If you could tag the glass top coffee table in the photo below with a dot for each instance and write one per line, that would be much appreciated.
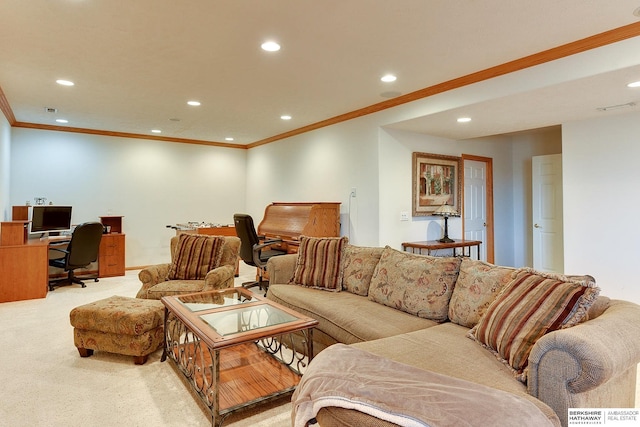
(236, 349)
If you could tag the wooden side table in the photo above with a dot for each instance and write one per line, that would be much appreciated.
(434, 245)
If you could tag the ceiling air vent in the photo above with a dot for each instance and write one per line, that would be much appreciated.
(617, 107)
(50, 110)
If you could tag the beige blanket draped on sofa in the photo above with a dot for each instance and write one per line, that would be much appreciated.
(351, 378)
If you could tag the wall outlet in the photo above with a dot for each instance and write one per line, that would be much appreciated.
(404, 216)
(353, 191)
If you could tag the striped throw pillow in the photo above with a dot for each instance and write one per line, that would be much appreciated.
(530, 306)
(319, 263)
(195, 255)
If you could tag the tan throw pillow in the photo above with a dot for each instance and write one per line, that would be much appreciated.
(359, 264)
(477, 286)
(195, 255)
(416, 284)
(319, 262)
(532, 305)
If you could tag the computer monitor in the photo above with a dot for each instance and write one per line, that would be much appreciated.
(50, 219)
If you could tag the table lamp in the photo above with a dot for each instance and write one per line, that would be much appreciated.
(446, 211)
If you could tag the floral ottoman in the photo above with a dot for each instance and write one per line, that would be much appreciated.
(122, 325)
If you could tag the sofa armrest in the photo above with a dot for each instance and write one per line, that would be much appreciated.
(600, 348)
(280, 268)
(583, 358)
(151, 276)
(219, 278)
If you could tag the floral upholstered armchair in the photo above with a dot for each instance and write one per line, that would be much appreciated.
(198, 263)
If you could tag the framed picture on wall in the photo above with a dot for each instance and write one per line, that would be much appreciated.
(436, 180)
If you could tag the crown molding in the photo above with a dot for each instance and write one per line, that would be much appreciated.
(126, 135)
(559, 52)
(6, 108)
(572, 48)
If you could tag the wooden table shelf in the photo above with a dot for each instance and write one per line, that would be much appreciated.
(434, 245)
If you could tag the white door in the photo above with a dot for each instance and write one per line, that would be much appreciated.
(475, 204)
(548, 242)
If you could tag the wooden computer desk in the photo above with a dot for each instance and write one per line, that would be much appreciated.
(24, 270)
(24, 262)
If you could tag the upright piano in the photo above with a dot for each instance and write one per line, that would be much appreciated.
(290, 220)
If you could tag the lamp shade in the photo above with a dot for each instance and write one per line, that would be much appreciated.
(446, 210)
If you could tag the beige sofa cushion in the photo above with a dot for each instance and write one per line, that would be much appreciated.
(195, 256)
(463, 359)
(175, 287)
(319, 262)
(416, 284)
(359, 265)
(531, 305)
(477, 286)
(345, 317)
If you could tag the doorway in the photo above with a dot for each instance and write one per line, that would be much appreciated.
(548, 240)
(477, 207)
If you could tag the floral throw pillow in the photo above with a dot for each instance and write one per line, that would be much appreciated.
(477, 286)
(359, 264)
(416, 284)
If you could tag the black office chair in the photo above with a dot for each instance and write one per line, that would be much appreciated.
(81, 251)
(251, 249)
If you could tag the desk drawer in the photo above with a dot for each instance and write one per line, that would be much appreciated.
(112, 255)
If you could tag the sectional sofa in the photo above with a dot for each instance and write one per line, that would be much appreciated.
(547, 339)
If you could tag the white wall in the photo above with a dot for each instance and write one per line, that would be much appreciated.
(601, 175)
(396, 148)
(322, 165)
(5, 158)
(151, 183)
(511, 183)
(156, 183)
(325, 164)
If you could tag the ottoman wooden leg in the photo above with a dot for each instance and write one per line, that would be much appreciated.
(85, 352)
(139, 360)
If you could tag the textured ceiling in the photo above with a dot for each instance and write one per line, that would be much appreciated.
(137, 63)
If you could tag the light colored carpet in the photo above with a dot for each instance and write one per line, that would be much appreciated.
(46, 383)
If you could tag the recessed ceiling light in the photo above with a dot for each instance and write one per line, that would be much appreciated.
(228, 138)
(270, 46)
(193, 103)
(634, 84)
(388, 78)
(637, 12)
(156, 131)
(62, 120)
(65, 82)
(464, 119)
(285, 117)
